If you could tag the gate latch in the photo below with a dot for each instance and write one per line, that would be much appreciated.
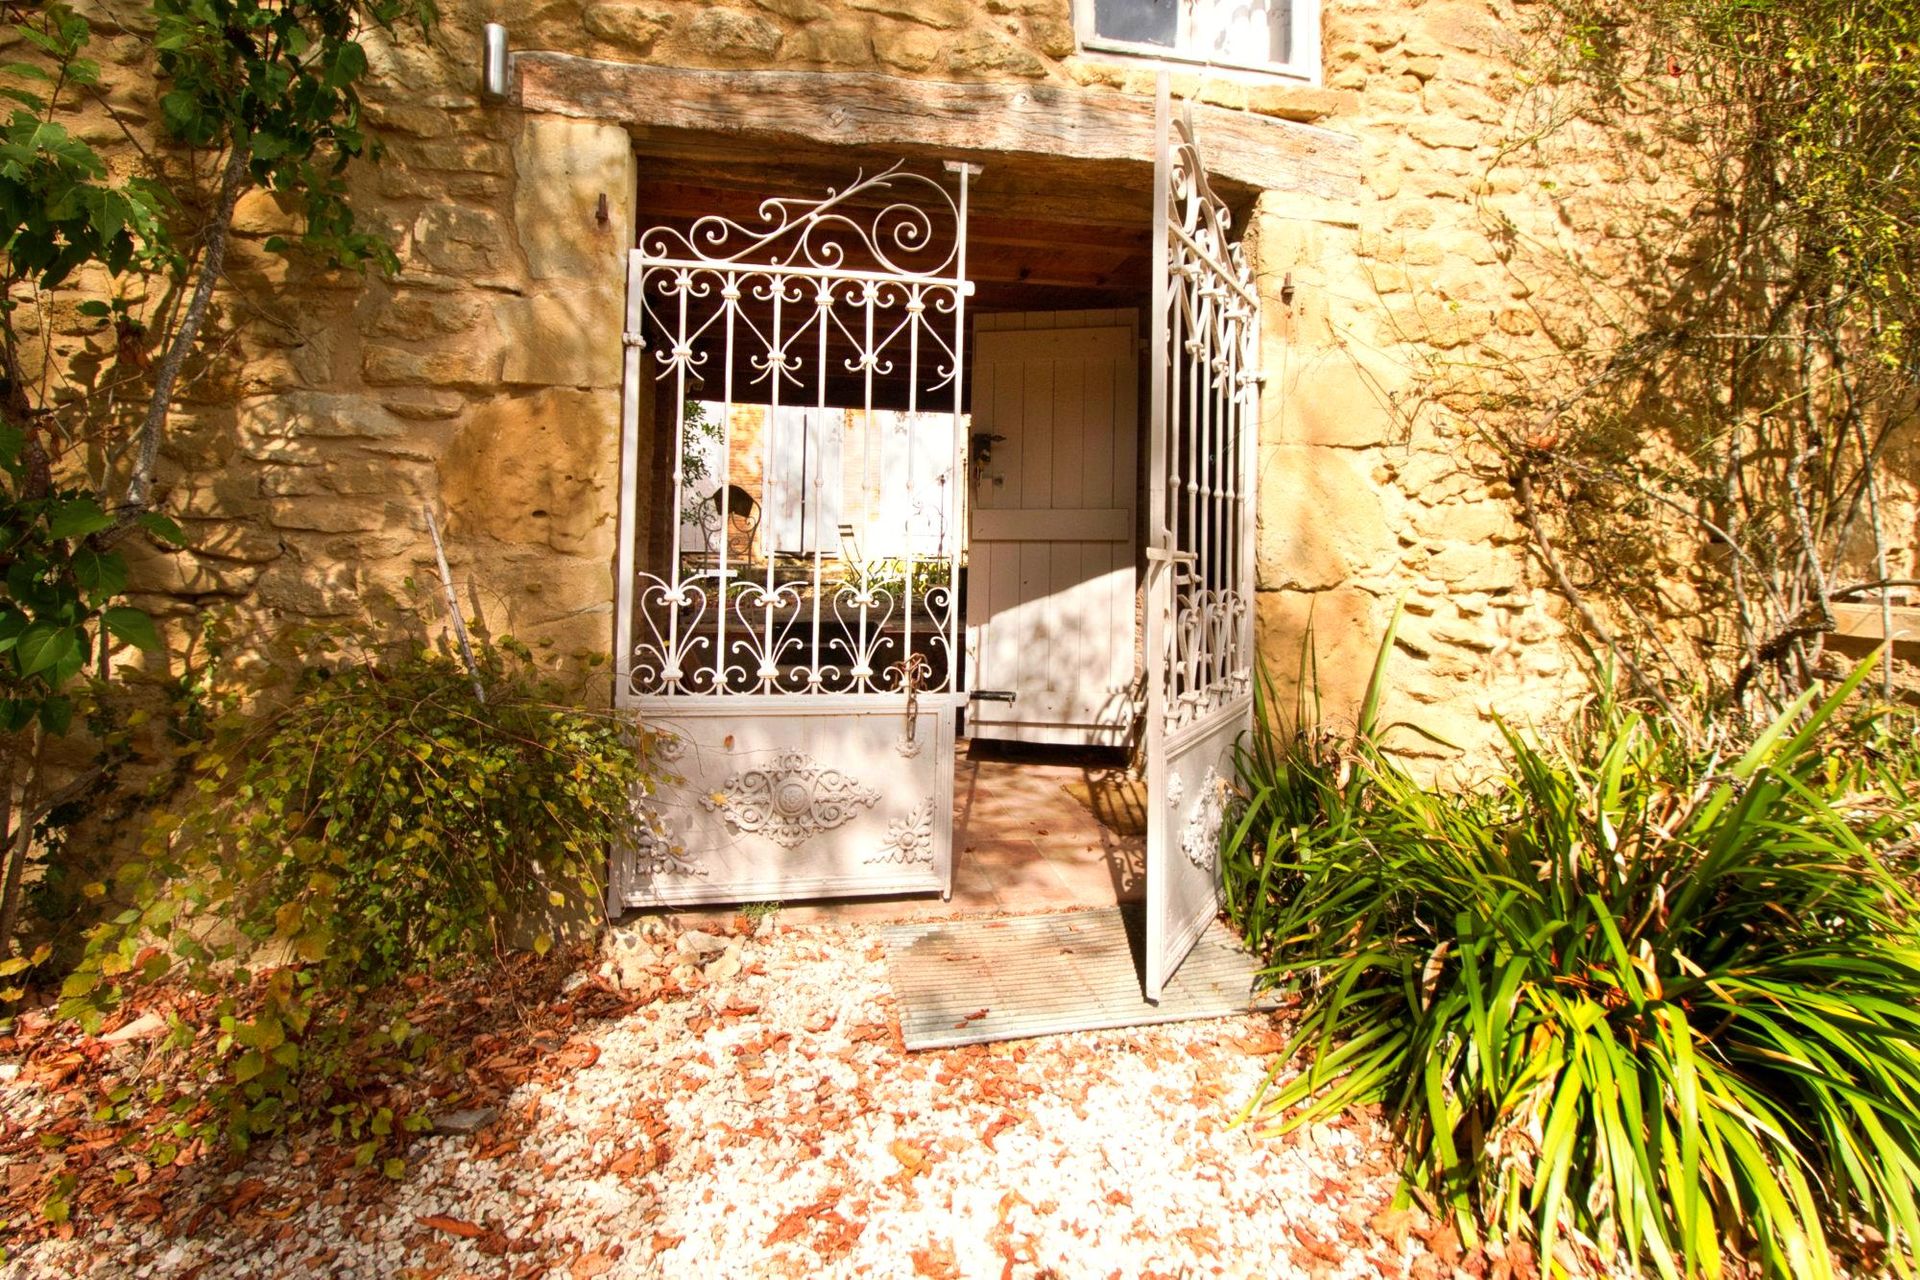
(992, 695)
(913, 673)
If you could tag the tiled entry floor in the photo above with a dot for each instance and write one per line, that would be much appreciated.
(1025, 838)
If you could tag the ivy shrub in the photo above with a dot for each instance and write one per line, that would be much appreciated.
(1656, 999)
(380, 823)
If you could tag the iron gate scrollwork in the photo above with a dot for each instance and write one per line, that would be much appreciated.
(1213, 332)
(789, 611)
(839, 290)
(1205, 404)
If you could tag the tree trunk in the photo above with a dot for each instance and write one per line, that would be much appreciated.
(234, 180)
(10, 836)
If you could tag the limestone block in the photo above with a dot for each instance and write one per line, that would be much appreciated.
(1321, 518)
(474, 366)
(1053, 36)
(795, 10)
(325, 513)
(539, 468)
(1442, 27)
(1447, 132)
(1342, 397)
(730, 35)
(460, 155)
(909, 50)
(235, 541)
(1475, 523)
(439, 73)
(1470, 566)
(831, 46)
(262, 213)
(1299, 101)
(460, 240)
(396, 183)
(944, 15)
(562, 605)
(632, 27)
(1422, 68)
(1344, 627)
(422, 313)
(301, 426)
(415, 122)
(985, 52)
(422, 405)
(321, 589)
(122, 15)
(174, 572)
(564, 167)
(569, 338)
(335, 475)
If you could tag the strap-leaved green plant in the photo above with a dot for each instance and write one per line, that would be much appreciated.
(1639, 999)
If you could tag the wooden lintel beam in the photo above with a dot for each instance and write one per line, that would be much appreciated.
(965, 121)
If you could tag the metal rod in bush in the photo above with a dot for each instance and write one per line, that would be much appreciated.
(453, 605)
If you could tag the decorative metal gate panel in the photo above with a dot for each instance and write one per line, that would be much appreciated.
(787, 615)
(1203, 430)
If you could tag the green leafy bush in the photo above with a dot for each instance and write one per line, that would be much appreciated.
(1636, 994)
(380, 822)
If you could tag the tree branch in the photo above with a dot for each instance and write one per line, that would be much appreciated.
(234, 180)
(1523, 489)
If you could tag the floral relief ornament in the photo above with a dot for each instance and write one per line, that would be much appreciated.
(1200, 841)
(790, 800)
(909, 839)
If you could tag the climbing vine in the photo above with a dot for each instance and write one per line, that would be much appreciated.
(252, 95)
(1709, 454)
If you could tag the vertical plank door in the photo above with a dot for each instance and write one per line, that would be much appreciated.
(1051, 577)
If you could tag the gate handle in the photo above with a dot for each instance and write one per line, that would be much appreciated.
(991, 695)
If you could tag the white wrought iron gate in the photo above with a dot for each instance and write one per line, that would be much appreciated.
(1203, 428)
(788, 622)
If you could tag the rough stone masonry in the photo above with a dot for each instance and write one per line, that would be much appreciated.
(485, 376)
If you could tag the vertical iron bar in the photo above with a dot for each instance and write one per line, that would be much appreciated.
(632, 360)
(823, 306)
(776, 364)
(671, 658)
(863, 659)
(956, 484)
(729, 301)
(915, 301)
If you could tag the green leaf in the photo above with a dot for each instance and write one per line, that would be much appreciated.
(45, 646)
(104, 573)
(132, 626)
(56, 715)
(78, 517)
(163, 529)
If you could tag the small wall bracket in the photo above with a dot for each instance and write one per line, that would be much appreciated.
(495, 69)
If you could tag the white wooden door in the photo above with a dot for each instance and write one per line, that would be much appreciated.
(1050, 576)
(1203, 420)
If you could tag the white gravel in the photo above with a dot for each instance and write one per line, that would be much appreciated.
(769, 1126)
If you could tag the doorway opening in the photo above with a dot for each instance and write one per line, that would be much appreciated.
(1030, 538)
(899, 533)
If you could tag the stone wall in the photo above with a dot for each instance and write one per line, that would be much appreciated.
(485, 376)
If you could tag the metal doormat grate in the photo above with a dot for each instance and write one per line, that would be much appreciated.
(973, 981)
